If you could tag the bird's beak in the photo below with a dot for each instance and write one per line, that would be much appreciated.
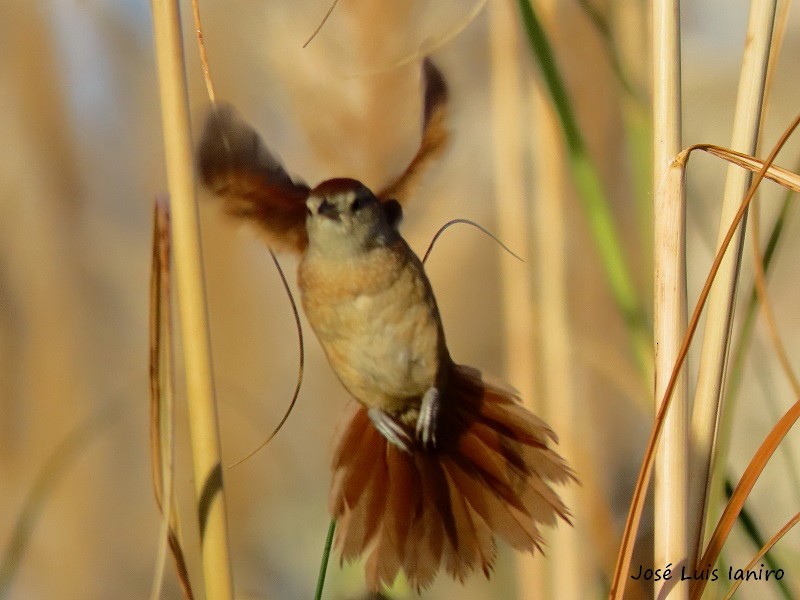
(320, 206)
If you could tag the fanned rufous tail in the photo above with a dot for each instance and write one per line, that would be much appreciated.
(489, 476)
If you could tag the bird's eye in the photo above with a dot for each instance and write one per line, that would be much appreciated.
(359, 203)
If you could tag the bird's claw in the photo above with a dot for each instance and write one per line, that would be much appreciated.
(389, 428)
(428, 418)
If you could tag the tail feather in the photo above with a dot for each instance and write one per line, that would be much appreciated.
(403, 492)
(490, 508)
(354, 462)
(490, 476)
(368, 512)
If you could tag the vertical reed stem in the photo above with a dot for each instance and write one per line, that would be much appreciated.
(669, 311)
(192, 300)
(568, 556)
(721, 301)
(508, 114)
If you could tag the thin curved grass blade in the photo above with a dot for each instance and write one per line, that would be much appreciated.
(743, 489)
(766, 548)
(643, 481)
(775, 173)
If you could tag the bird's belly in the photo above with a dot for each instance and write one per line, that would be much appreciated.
(383, 346)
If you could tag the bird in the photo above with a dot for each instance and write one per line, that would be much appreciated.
(434, 460)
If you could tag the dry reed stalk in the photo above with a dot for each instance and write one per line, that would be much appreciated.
(508, 114)
(669, 310)
(203, 421)
(742, 491)
(643, 481)
(714, 352)
(567, 556)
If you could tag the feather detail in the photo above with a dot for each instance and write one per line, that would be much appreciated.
(434, 136)
(490, 476)
(234, 163)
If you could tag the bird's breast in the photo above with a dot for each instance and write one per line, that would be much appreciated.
(376, 318)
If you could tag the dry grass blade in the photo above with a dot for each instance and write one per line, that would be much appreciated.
(201, 48)
(745, 485)
(477, 226)
(300, 368)
(766, 308)
(159, 286)
(321, 23)
(642, 483)
(766, 548)
(428, 47)
(161, 405)
(721, 302)
(775, 173)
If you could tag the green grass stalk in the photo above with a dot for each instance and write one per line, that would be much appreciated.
(721, 301)
(593, 198)
(326, 555)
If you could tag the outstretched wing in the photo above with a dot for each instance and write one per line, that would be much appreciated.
(235, 164)
(434, 135)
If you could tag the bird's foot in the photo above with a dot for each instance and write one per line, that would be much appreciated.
(428, 418)
(391, 429)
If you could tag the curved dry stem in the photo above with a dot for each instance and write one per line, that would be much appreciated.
(784, 177)
(300, 367)
(444, 227)
(642, 483)
(321, 23)
(425, 49)
(766, 548)
(743, 489)
(766, 308)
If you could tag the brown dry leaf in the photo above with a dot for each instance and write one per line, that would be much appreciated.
(160, 409)
(775, 173)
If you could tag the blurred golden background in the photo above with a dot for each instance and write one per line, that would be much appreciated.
(82, 160)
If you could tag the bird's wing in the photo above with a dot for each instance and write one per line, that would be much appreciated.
(234, 162)
(434, 135)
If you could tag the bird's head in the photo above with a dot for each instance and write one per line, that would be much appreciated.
(345, 217)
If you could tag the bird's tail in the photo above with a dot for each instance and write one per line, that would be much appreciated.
(490, 475)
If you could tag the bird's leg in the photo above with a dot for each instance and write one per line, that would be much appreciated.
(428, 418)
(390, 428)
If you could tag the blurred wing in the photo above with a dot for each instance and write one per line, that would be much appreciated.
(434, 135)
(235, 164)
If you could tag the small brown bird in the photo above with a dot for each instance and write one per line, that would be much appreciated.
(433, 461)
